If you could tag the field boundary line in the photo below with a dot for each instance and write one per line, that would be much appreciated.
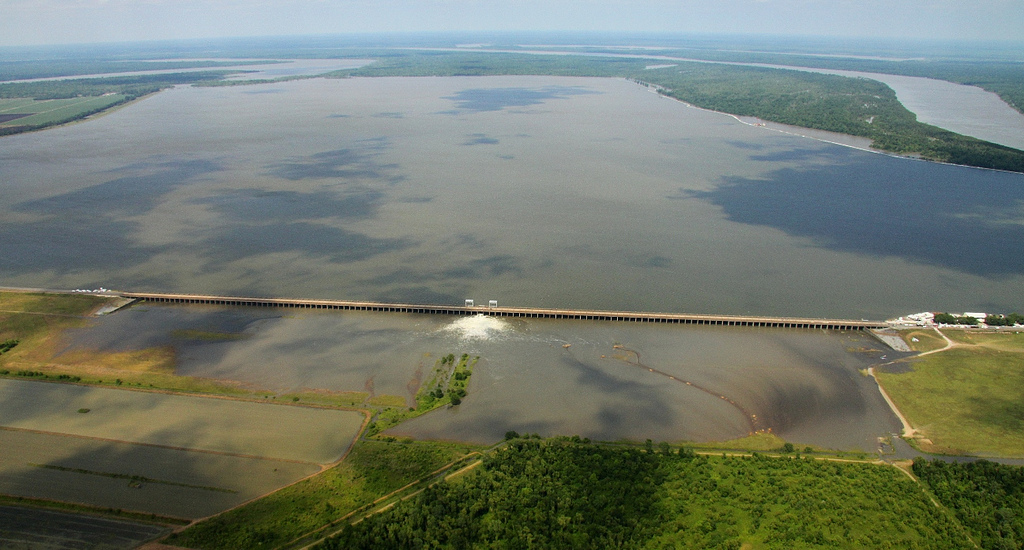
(159, 446)
(164, 391)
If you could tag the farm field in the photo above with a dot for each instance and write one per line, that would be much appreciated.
(46, 529)
(51, 111)
(965, 399)
(285, 432)
(168, 482)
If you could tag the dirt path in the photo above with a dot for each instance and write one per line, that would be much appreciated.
(908, 430)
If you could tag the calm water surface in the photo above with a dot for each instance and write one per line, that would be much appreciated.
(535, 191)
(606, 381)
(967, 110)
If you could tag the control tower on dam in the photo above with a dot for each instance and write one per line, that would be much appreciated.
(524, 312)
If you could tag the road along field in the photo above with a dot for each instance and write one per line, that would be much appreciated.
(262, 430)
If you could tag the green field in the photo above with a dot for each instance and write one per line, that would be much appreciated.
(123, 476)
(966, 399)
(372, 470)
(54, 111)
(556, 494)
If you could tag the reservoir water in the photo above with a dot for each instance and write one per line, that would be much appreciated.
(534, 191)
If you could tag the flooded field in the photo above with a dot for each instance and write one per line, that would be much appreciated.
(197, 423)
(602, 380)
(31, 528)
(171, 482)
(535, 191)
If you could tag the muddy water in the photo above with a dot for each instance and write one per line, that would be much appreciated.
(605, 381)
(536, 191)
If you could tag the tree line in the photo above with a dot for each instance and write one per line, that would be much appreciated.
(566, 493)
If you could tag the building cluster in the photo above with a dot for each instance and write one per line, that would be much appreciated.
(967, 318)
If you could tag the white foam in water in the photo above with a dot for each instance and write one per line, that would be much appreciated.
(478, 327)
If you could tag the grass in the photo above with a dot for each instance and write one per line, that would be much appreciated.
(969, 399)
(927, 339)
(372, 470)
(760, 441)
(207, 335)
(54, 304)
(54, 111)
(36, 322)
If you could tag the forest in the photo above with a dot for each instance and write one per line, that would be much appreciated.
(566, 493)
(987, 498)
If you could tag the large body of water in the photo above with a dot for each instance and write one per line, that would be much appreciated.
(967, 110)
(535, 191)
(607, 381)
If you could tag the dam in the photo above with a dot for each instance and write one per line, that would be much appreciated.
(504, 311)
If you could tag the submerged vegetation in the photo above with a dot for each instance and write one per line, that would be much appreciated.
(446, 386)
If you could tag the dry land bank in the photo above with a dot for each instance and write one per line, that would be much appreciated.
(965, 399)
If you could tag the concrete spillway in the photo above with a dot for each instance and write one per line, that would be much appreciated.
(534, 313)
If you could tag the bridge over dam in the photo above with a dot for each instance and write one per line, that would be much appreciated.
(524, 312)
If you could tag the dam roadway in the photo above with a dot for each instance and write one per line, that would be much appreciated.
(523, 312)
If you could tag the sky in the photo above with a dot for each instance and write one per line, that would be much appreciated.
(25, 22)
